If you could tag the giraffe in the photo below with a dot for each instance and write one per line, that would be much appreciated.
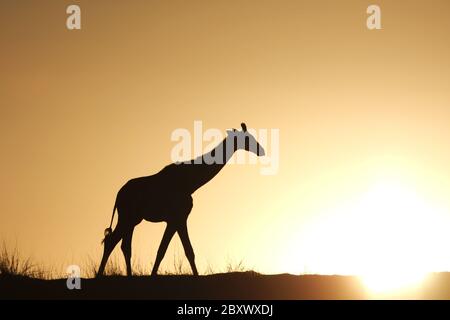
(167, 197)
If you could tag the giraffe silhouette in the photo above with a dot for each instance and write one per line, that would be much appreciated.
(167, 196)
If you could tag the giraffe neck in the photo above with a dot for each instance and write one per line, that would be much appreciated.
(208, 165)
(218, 156)
(193, 174)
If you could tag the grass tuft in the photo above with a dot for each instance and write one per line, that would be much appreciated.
(12, 264)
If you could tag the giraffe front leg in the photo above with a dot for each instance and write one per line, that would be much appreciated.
(168, 234)
(188, 250)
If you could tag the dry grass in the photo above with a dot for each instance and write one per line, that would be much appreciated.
(114, 267)
(13, 264)
(232, 266)
(178, 266)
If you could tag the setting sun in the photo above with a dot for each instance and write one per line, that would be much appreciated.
(389, 236)
(395, 236)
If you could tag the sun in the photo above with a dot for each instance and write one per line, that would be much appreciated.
(388, 235)
(395, 221)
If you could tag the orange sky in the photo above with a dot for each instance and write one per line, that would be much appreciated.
(84, 111)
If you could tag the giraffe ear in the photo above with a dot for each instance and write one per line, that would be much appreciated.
(231, 132)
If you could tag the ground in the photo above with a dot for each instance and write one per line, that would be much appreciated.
(237, 285)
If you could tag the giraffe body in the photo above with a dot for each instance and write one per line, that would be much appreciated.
(167, 197)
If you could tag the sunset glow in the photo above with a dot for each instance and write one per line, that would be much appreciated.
(355, 124)
(396, 236)
(389, 236)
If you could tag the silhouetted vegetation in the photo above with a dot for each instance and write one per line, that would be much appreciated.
(12, 264)
(22, 278)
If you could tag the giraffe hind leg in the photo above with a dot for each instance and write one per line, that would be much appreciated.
(110, 243)
(126, 249)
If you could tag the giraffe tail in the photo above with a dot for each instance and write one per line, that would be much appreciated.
(108, 231)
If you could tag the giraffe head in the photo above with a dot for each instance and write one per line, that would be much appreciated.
(244, 140)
